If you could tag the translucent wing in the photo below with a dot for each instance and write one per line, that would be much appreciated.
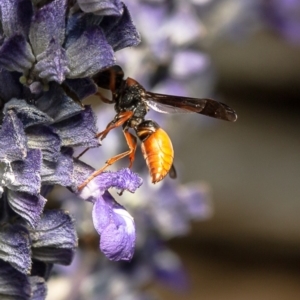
(176, 104)
(166, 109)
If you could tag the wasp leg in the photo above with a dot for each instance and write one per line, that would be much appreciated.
(132, 144)
(119, 120)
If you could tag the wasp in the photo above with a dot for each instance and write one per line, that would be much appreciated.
(132, 102)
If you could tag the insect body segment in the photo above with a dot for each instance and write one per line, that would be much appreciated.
(132, 102)
(157, 149)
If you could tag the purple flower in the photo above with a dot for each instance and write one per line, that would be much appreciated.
(284, 16)
(168, 208)
(116, 228)
(48, 53)
(102, 7)
(15, 285)
(123, 179)
(111, 220)
(40, 43)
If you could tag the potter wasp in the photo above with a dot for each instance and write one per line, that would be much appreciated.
(132, 102)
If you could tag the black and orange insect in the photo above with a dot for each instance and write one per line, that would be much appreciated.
(132, 102)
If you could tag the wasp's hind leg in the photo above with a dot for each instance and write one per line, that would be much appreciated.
(118, 121)
(132, 144)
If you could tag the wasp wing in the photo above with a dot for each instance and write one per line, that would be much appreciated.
(166, 109)
(177, 104)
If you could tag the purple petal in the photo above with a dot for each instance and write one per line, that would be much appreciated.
(12, 138)
(189, 63)
(16, 55)
(10, 86)
(79, 130)
(197, 201)
(151, 20)
(36, 87)
(101, 7)
(284, 16)
(168, 211)
(27, 173)
(28, 114)
(123, 179)
(169, 269)
(6, 175)
(48, 22)
(38, 288)
(29, 207)
(59, 172)
(89, 54)
(171, 86)
(45, 139)
(15, 247)
(116, 227)
(80, 173)
(54, 239)
(52, 64)
(41, 269)
(120, 31)
(82, 87)
(76, 25)
(13, 284)
(15, 16)
(183, 28)
(56, 104)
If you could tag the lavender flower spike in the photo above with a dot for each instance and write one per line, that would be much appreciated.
(111, 220)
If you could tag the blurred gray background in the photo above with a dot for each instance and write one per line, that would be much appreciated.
(250, 249)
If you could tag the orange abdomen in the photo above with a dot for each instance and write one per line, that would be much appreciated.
(158, 153)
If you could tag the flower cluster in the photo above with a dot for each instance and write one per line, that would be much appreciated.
(170, 52)
(49, 50)
(175, 36)
(284, 17)
(161, 212)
